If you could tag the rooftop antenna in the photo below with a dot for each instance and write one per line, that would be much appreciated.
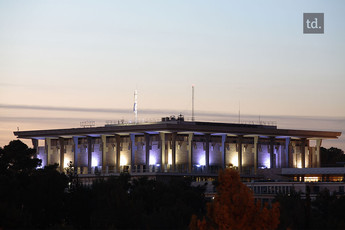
(193, 102)
(135, 107)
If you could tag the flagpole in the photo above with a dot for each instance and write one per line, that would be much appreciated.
(135, 108)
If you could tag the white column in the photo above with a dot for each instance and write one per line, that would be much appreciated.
(35, 145)
(256, 154)
(76, 150)
(303, 142)
(272, 162)
(117, 153)
(147, 151)
(207, 152)
(62, 154)
(104, 153)
(223, 151)
(239, 153)
(47, 149)
(89, 154)
(133, 148)
(318, 154)
(287, 151)
(163, 160)
(173, 147)
(190, 152)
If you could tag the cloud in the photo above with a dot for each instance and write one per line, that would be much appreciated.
(38, 121)
(76, 109)
(165, 112)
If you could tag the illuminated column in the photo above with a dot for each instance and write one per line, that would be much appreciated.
(163, 160)
(291, 154)
(62, 153)
(104, 152)
(147, 151)
(223, 151)
(256, 154)
(272, 162)
(308, 154)
(287, 151)
(117, 154)
(311, 156)
(318, 149)
(47, 149)
(133, 148)
(190, 152)
(75, 160)
(239, 152)
(303, 152)
(35, 145)
(89, 154)
(207, 151)
(173, 151)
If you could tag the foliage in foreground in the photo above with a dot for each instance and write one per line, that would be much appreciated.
(234, 207)
(32, 198)
(325, 212)
(29, 197)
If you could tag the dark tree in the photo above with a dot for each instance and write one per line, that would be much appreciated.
(17, 158)
(122, 203)
(167, 205)
(30, 198)
(332, 157)
(293, 211)
(44, 198)
(17, 163)
(328, 211)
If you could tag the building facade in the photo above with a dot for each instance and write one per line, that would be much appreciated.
(178, 147)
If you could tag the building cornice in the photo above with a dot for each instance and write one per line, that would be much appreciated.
(181, 126)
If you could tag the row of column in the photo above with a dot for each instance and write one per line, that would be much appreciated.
(163, 159)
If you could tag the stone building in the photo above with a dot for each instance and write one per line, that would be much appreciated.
(178, 147)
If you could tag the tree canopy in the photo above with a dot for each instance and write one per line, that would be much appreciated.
(17, 158)
(44, 198)
(234, 207)
(332, 157)
(29, 197)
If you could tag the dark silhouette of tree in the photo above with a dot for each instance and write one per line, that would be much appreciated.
(325, 212)
(30, 198)
(167, 205)
(234, 207)
(328, 211)
(111, 205)
(17, 158)
(122, 203)
(35, 198)
(330, 157)
(73, 178)
(293, 211)
(44, 198)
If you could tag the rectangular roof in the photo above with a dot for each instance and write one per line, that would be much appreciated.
(180, 126)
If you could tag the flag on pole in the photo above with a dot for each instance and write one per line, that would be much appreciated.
(135, 107)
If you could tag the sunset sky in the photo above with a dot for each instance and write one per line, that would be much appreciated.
(62, 62)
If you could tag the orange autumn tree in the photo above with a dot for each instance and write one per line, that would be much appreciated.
(234, 207)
